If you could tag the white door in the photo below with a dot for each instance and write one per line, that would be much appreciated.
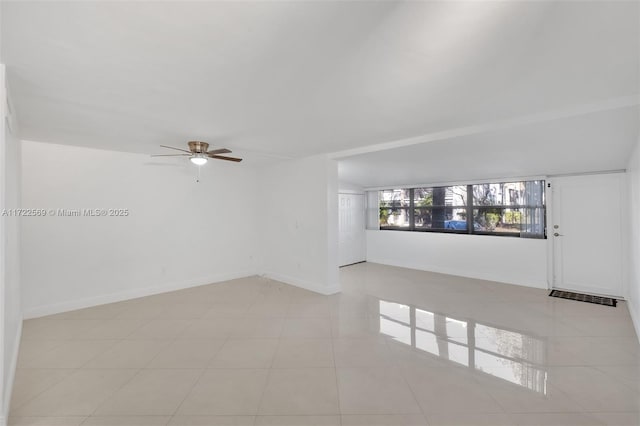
(351, 242)
(586, 229)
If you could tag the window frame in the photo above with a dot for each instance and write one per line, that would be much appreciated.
(470, 207)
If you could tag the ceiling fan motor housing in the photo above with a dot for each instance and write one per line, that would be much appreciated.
(198, 147)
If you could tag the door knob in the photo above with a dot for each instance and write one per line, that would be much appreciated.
(555, 234)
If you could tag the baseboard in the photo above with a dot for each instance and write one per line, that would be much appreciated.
(307, 285)
(11, 375)
(72, 305)
(461, 273)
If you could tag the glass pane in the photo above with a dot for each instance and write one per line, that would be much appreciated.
(393, 208)
(453, 219)
(456, 219)
(456, 195)
(395, 198)
(511, 219)
(499, 194)
(499, 220)
(384, 217)
(440, 196)
(423, 197)
(505, 220)
(422, 218)
(533, 193)
(394, 217)
(513, 193)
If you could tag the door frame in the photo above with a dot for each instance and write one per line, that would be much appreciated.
(624, 219)
(364, 229)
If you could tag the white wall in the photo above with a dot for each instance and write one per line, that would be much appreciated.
(3, 205)
(10, 248)
(12, 290)
(179, 233)
(633, 184)
(511, 260)
(349, 188)
(299, 223)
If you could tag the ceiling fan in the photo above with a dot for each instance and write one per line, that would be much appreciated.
(198, 153)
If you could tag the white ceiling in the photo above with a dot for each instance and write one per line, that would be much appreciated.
(299, 78)
(597, 141)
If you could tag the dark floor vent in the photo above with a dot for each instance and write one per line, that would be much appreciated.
(599, 300)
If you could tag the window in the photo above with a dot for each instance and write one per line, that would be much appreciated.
(504, 208)
(394, 208)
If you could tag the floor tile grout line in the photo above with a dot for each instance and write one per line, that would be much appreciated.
(202, 373)
(187, 394)
(104, 401)
(60, 341)
(269, 371)
(492, 397)
(171, 341)
(335, 371)
(387, 341)
(84, 421)
(117, 341)
(142, 368)
(415, 398)
(73, 370)
(144, 321)
(82, 367)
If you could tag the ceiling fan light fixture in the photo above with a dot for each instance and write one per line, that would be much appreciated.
(198, 153)
(199, 159)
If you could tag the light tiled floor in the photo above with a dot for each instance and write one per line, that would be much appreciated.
(396, 347)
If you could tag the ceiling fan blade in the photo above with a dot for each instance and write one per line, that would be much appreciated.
(222, 157)
(177, 149)
(219, 151)
(171, 155)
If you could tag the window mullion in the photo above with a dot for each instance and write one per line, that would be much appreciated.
(470, 209)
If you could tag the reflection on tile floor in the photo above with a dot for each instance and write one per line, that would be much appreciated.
(396, 347)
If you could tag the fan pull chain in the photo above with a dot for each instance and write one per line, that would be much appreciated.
(198, 178)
